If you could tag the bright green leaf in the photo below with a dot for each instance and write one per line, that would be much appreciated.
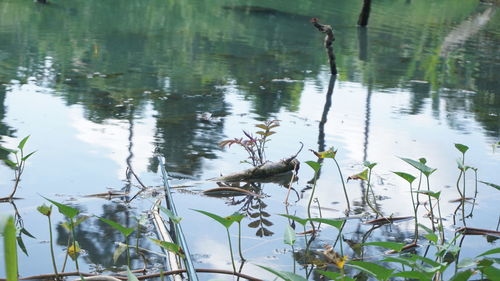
(236, 217)
(388, 245)
(170, 214)
(27, 156)
(491, 184)
(289, 237)
(409, 178)
(13, 151)
(462, 275)
(10, 249)
(287, 276)
(426, 170)
(490, 252)
(380, 272)
(335, 223)
(360, 176)
(462, 148)
(334, 275)
(66, 210)
(297, 219)
(225, 222)
(9, 163)
(131, 276)
(413, 275)
(491, 272)
(23, 142)
(171, 247)
(467, 262)
(119, 251)
(430, 193)
(44, 210)
(25, 232)
(330, 153)
(126, 231)
(369, 165)
(314, 165)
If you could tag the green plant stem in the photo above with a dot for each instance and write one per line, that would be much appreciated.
(458, 185)
(463, 164)
(367, 195)
(343, 185)
(230, 249)
(311, 199)
(430, 203)
(66, 256)
(52, 249)
(239, 243)
(74, 244)
(415, 211)
(418, 188)
(441, 229)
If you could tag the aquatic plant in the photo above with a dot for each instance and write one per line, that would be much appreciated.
(47, 211)
(17, 165)
(255, 146)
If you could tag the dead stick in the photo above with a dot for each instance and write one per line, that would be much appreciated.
(329, 38)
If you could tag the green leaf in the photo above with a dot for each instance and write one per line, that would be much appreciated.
(388, 245)
(20, 242)
(27, 156)
(422, 160)
(236, 217)
(10, 249)
(462, 148)
(491, 272)
(369, 165)
(412, 275)
(119, 251)
(374, 269)
(66, 210)
(24, 231)
(131, 276)
(171, 247)
(289, 237)
(467, 262)
(426, 170)
(431, 236)
(409, 178)
(23, 142)
(294, 218)
(335, 223)
(360, 176)
(334, 275)
(314, 165)
(491, 184)
(126, 231)
(44, 210)
(490, 252)
(8, 150)
(462, 275)
(330, 153)
(9, 163)
(287, 276)
(170, 214)
(430, 193)
(224, 221)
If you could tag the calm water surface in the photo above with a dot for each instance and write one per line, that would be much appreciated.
(103, 85)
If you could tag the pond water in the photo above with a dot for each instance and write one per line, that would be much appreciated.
(104, 85)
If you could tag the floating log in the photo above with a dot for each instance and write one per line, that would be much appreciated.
(262, 172)
(229, 191)
(478, 231)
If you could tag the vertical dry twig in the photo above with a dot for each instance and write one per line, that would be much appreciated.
(329, 38)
